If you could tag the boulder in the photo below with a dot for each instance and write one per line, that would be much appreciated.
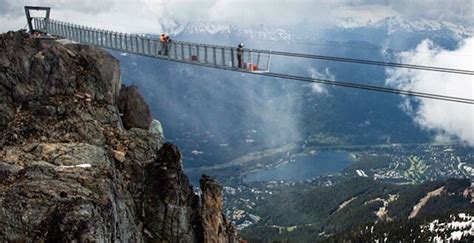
(135, 111)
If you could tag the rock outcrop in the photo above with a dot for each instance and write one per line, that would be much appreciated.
(134, 109)
(214, 223)
(71, 169)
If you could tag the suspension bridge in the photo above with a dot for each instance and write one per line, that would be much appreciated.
(256, 62)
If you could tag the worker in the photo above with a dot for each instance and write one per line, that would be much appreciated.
(162, 43)
(167, 41)
(240, 54)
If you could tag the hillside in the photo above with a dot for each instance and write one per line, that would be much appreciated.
(302, 213)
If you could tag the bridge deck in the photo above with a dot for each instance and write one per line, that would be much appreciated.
(223, 57)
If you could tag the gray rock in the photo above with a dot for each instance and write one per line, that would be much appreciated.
(134, 109)
(69, 172)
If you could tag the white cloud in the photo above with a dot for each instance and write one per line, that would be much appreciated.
(148, 15)
(326, 74)
(448, 119)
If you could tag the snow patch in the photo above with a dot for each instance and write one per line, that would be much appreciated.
(361, 173)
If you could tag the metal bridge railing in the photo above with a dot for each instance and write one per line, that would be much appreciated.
(207, 55)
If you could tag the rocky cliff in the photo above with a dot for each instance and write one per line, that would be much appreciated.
(79, 160)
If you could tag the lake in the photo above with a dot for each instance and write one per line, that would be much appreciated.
(305, 167)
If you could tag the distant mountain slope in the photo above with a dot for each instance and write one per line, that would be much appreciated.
(304, 215)
(447, 227)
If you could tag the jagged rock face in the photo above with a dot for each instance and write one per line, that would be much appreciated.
(68, 169)
(168, 206)
(215, 226)
(135, 110)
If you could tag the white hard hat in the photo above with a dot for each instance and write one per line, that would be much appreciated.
(241, 44)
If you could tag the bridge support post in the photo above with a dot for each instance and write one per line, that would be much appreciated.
(29, 18)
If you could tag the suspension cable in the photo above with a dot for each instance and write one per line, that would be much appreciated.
(371, 62)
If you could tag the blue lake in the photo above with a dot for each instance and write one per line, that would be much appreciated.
(305, 167)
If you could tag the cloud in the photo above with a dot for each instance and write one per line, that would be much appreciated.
(149, 15)
(326, 74)
(449, 120)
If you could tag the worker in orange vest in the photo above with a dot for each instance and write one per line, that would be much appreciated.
(167, 41)
(162, 43)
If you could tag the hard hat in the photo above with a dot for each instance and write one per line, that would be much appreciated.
(241, 45)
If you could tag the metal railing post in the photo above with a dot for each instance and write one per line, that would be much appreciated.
(82, 35)
(232, 57)
(111, 43)
(214, 55)
(66, 31)
(223, 57)
(258, 59)
(175, 51)
(126, 42)
(120, 40)
(114, 40)
(63, 30)
(146, 46)
(93, 40)
(197, 53)
(74, 34)
(138, 44)
(108, 39)
(190, 52)
(89, 35)
(135, 44)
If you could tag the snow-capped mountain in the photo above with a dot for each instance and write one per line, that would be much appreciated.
(393, 24)
(383, 28)
(211, 30)
(399, 33)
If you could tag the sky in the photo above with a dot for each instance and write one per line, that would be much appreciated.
(148, 16)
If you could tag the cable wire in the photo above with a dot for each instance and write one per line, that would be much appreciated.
(340, 83)
(370, 62)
